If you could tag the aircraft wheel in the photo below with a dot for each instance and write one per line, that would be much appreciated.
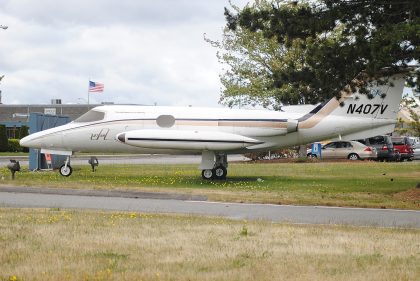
(66, 171)
(220, 173)
(207, 174)
(353, 156)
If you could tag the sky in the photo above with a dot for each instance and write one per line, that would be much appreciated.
(144, 52)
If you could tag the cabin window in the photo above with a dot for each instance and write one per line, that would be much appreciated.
(91, 116)
(165, 121)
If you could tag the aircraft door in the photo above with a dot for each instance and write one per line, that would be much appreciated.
(135, 123)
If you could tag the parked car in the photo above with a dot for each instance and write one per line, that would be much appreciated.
(352, 150)
(415, 144)
(384, 147)
(402, 145)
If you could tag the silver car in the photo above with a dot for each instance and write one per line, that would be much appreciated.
(352, 150)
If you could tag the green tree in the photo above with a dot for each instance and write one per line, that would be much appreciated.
(412, 127)
(23, 131)
(4, 143)
(250, 62)
(323, 46)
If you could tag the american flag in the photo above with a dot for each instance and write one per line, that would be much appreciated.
(95, 87)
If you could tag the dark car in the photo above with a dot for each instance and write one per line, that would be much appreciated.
(384, 147)
(402, 145)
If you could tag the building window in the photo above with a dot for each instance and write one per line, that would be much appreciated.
(12, 132)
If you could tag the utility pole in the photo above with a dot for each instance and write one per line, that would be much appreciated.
(4, 27)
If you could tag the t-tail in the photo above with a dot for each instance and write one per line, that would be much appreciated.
(357, 115)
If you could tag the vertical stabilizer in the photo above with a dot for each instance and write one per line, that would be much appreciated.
(382, 102)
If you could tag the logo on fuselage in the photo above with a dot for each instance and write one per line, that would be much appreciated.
(375, 91)
(100, 136)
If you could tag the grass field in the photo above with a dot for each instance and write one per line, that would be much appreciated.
(11, 154)
(52, 244)
(359, 184)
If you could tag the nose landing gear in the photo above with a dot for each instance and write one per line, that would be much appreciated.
(66, 169)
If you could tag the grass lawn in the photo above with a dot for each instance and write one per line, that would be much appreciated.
(358, 184)
(11, 154)
(52, 244)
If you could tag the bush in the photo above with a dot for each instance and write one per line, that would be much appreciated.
(275, 154)
(14, 146)
(3, 139)
(23, 131)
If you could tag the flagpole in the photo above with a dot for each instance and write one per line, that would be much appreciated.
(88, 93)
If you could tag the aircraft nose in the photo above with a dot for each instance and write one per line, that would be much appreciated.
(121, 137)
(25, 141)
(31, 141)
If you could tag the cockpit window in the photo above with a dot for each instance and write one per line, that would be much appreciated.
(91, 116)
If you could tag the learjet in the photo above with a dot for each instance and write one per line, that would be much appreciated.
(216, 132)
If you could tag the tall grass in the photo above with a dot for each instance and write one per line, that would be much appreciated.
(74, 245)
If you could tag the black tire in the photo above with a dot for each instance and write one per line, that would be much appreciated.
(220, 173)
(65, 171)
(207, 174)
(310, 155)
(398, 156)
(353, 156)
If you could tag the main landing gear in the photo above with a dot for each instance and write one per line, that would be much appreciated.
(66, 170)
(213, 166)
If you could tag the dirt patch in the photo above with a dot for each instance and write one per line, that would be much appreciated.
(409, 195)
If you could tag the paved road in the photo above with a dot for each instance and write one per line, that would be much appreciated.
(138, 202)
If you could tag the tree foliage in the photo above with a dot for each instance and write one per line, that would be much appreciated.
(14, 146)
(286, 52)
(4, 143)
(250, 62)
(412, 127)
(23, 131)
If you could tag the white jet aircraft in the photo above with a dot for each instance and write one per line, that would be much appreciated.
(216, 132)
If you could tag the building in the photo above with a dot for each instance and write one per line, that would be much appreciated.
(13, 116)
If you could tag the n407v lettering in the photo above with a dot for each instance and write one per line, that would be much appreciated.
(367, 108)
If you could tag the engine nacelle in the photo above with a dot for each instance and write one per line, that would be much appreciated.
(292, 125)
(267, 128)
